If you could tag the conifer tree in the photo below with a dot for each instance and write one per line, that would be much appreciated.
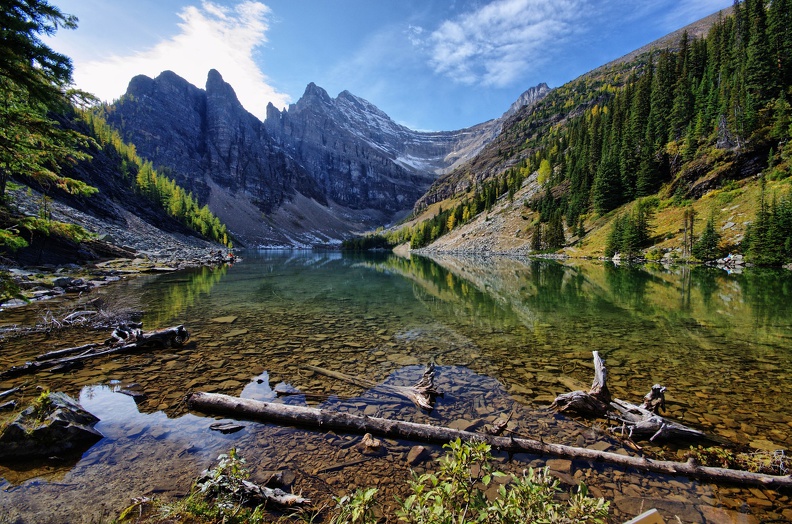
(779, 25)
(606, 192)
(759, 71)
(34, 81)
(706, 248)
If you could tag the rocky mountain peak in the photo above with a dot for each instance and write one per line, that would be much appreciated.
(314, 96)
(341, 159)
(528, 98)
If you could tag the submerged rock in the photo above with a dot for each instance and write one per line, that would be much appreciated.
(54, 424)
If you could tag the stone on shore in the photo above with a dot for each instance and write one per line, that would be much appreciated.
(54, 425)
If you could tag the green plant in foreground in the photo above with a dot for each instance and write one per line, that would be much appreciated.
(42, 404)
(217, 496)
(457, 493)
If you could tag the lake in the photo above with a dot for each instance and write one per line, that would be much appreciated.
(507, 336)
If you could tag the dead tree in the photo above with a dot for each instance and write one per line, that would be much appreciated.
(636, 421)
(423, 393)
(595, 402)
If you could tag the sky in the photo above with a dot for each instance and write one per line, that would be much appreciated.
(437, 65)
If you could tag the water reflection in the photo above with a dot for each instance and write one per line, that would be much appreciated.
(166, 301)
(506, 335)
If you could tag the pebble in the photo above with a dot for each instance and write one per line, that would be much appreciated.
(416, 455)
(224, 320)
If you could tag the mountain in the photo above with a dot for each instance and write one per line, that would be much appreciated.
(314, 173)
(612, 161)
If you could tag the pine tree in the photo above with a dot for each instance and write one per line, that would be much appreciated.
(536, 237)
(759, 70)
(554, 238)
(706, 248)
(779, 26)
(606, 192)
(661, 99)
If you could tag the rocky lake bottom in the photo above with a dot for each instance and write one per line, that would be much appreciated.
(507, 337)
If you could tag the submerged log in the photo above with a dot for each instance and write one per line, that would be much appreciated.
(423, 393)
(4, 394)
(216, 403)
(133, 340)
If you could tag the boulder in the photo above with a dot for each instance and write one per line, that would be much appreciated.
(54, 425)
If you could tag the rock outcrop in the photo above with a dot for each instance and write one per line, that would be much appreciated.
(313, 173)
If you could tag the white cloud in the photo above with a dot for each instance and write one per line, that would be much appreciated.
(210, 37)
(496, 44)
(683, 13)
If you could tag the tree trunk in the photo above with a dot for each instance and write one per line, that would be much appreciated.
(345, 422)
(595, 402)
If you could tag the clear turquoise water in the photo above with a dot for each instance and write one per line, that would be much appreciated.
(507, 336)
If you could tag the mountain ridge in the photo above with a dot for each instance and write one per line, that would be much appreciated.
(342, 158)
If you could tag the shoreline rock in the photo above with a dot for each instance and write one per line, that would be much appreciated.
(55, 424)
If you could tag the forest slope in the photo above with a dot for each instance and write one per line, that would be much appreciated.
(692, 125)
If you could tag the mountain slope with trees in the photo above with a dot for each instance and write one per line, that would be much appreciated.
(52, 150)
(675, 124)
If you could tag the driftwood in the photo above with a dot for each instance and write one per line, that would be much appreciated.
(123, 340)
(272, 495)
(422, 394)
(595, 402)
(4, 394)
(216, 403)
(636, 421)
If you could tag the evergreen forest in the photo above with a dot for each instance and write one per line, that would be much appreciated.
(675, 122)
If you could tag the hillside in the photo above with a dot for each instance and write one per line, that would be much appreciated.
(119, 219)
(662, 123)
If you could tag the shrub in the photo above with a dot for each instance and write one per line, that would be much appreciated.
(456, 493)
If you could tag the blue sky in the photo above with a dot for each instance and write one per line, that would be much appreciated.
(429, 64)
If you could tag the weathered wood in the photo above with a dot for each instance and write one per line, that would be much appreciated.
(595, 402)
(654, 401)
(67, 351)
(641, 423)
(599, 388)
(636, 421)
(422, 394)
(216, 403)
(4, 394)
(135, 340)
(273, 495)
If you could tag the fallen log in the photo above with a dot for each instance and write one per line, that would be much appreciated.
(136, 340)
(216, 403)
(422, 393)
(636, 421)
(67, 351)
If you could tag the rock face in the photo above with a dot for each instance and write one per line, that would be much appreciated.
(313, 173)
(56, 426)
